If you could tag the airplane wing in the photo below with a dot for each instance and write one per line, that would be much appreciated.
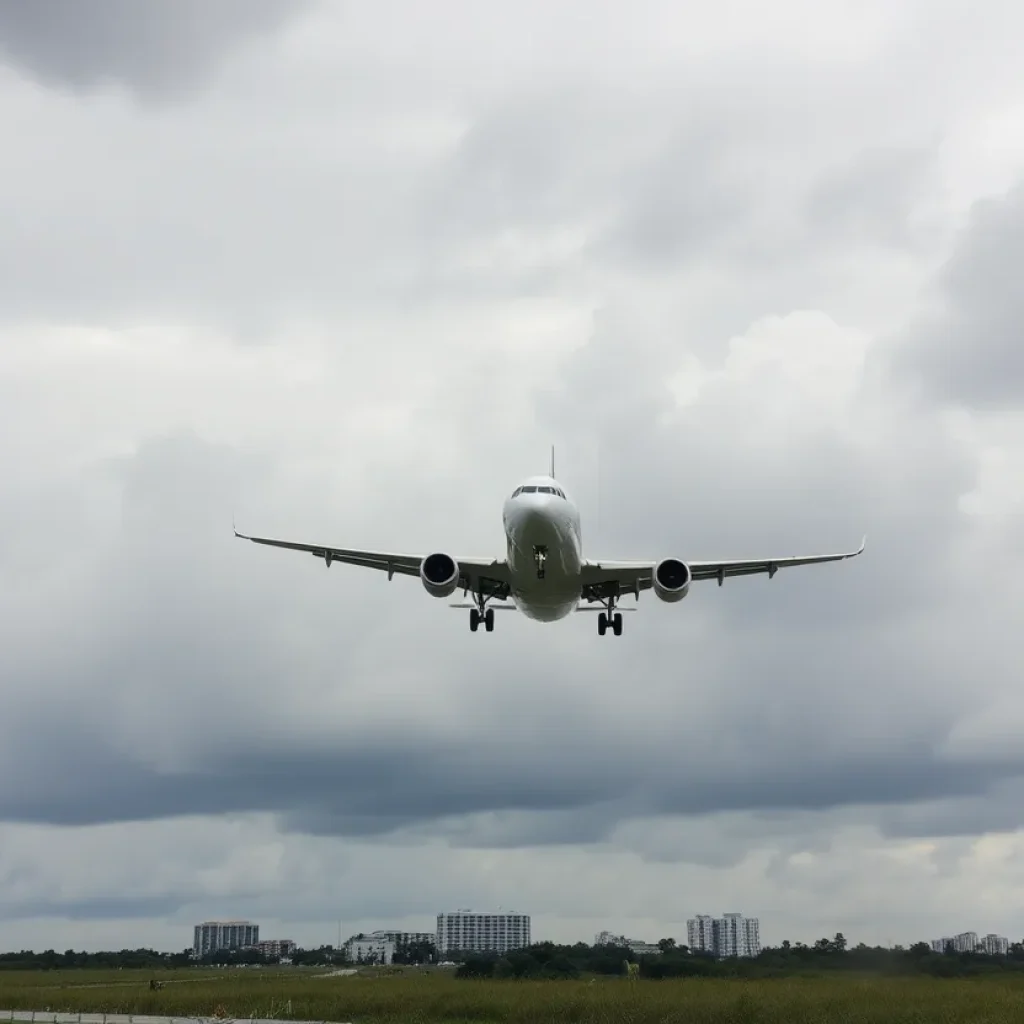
(476, 574)
(606, 579)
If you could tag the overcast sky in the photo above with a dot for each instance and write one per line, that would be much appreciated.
(344, 272)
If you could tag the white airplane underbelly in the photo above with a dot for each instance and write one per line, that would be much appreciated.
(555, 594)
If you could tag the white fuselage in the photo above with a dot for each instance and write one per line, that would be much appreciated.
(542, 532)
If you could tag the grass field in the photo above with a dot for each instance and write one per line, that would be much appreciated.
(419, 998)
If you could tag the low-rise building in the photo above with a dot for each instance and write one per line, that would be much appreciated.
(276, 947)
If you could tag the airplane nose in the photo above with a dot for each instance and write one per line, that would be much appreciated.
(528, 516)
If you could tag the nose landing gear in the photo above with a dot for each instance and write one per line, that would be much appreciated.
(540, 557)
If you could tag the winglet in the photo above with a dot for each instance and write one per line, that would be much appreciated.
(863, 544)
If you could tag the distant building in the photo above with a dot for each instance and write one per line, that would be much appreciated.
(211, 936)
(480, 933)
(700, 934)
(379, 947)
(276, 947)
(370, 949)
(406, 938)
(968, 942)
(641, 948)
(726, 936)
(637, 946)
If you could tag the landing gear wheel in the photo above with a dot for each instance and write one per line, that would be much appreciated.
(474, 619)
(489, 620)
(617, 623)
(602, 623)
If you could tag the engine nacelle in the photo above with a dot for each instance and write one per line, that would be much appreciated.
(672, 579)
(439, 574)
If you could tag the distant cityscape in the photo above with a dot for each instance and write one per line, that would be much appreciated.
(465, 931)
(968, 942)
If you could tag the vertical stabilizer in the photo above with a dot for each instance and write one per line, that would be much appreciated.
(552, 462)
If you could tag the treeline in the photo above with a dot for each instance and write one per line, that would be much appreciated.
(547, 960)
(50, 960)
(150, 959)
(321, 956)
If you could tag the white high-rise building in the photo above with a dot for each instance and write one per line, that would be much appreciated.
(752, 928)
(213, 935)
(729, 935)
(480, 933)
(700, 935)
(968, 942)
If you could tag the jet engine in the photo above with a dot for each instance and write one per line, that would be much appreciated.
(672, 579)
(439, 574)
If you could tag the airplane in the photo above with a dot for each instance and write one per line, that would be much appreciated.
(544, 573)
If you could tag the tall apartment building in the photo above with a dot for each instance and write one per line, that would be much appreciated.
(213, 935)
(480, 933)
(995, 945)
(700, 934)
(728, 935)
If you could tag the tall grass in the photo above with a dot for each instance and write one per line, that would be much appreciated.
(421, 998)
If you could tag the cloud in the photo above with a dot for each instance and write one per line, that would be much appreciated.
(351, 294)
(964, 349)
(364, 741)
(161, 50)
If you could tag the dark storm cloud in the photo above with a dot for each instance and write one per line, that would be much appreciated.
(178, 699)
(395, 785)
(177, 702)
(198, 675)
(967, 349)
(972, 814)
(158, 48)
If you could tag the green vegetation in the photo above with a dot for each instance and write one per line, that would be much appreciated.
(422, 996)
(822, 983)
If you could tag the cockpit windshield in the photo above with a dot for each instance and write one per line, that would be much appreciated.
(538, 489)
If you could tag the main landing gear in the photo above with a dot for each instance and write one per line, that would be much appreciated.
(610, 617)
(478, 615)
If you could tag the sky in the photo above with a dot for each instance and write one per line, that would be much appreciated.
(343, 273)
